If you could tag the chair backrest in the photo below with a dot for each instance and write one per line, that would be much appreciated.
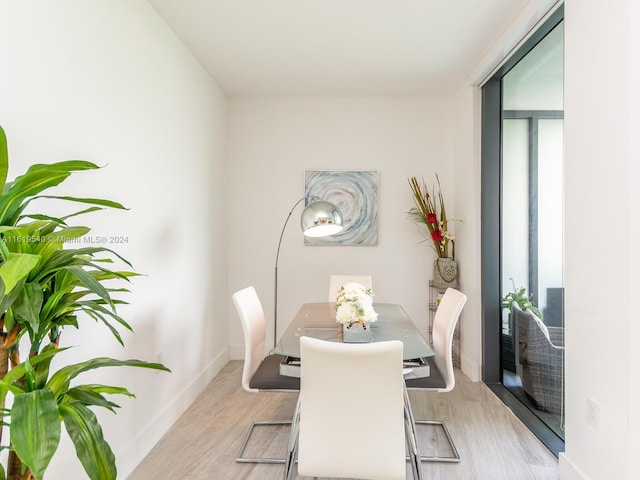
(444, 325)
(531, 331)
(254, 328)
(540, 360)
(336, 281)
(351, 410)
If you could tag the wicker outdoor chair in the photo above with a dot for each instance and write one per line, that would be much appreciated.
(540, 360)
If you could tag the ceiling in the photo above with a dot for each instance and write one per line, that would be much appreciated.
(339, 47)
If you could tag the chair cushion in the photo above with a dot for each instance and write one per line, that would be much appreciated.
(433, 381)
(267, 376)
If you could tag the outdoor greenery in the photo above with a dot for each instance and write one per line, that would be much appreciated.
(521, 298)
(46, 286)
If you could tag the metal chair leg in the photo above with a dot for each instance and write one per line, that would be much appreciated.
(242, 459)
(412, 441)
(292, 444)
(455, 458)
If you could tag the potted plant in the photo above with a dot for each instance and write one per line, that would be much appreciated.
(523, 300)
(431, 213)
(519, 295)
(354, 310)
(45, 286)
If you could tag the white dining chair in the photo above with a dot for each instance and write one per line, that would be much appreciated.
(259, 373)
(351, 417)
(337, 281)
(441, 378)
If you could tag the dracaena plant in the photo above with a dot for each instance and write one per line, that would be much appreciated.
(42, 400)
(44, 287)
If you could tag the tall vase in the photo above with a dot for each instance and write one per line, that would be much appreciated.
(445, 272)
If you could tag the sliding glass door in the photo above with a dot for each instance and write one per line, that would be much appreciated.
(522, 166)
(531, 230)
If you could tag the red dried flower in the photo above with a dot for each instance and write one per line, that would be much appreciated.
(432, 218)
(437, 235)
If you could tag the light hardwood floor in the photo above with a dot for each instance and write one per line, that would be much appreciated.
(202, 445)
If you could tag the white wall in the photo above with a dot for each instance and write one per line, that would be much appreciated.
(602, 70)
(272, 141)
(467, 200)
(601, 265)
(107, 81)
(634, 238)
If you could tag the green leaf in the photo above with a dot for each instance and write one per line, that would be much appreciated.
(94, 452)
(101, 318)
(89, 397)
(38, 178)
(92, 201)
(90, 282)
(5, 387)
(27, 306)
(76, 257)
(19, 370)
(82, 212)
(111, 390)
(59, 302)
(68, 233)
(31, 183)
(92, 394)
(95, 307)
(42, 366)
(4, 159)
(40, 216)
(66, 165)
(16, 268)
(35, 429)
(54, 241)
(59, 381)
(30, 376)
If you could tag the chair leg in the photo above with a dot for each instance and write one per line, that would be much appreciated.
(242, 459)
(412, 441)
(455, 458)
(292, 444)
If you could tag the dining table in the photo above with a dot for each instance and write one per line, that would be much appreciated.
(318, 320)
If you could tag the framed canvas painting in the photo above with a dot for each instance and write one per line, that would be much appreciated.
(355, 193)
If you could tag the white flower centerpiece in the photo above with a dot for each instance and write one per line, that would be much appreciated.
(354, 310)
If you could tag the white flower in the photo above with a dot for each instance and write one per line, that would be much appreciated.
(354, 304)
(347, 313)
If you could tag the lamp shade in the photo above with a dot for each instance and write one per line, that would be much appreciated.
(320, 219)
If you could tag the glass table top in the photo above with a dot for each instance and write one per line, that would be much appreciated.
(318, 320)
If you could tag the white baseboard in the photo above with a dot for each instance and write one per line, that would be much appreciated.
(132, 454)
(568, 471)
(471, 369)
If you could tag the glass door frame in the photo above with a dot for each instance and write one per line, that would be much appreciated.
(491, 161)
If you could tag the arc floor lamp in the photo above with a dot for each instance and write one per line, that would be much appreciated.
(319, 219)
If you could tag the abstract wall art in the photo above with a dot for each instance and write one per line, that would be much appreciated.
(355, 193)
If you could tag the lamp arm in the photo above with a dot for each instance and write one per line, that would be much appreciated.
(275, 299)
(283, 229)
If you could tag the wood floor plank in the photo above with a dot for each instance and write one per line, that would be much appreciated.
(204, 442)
